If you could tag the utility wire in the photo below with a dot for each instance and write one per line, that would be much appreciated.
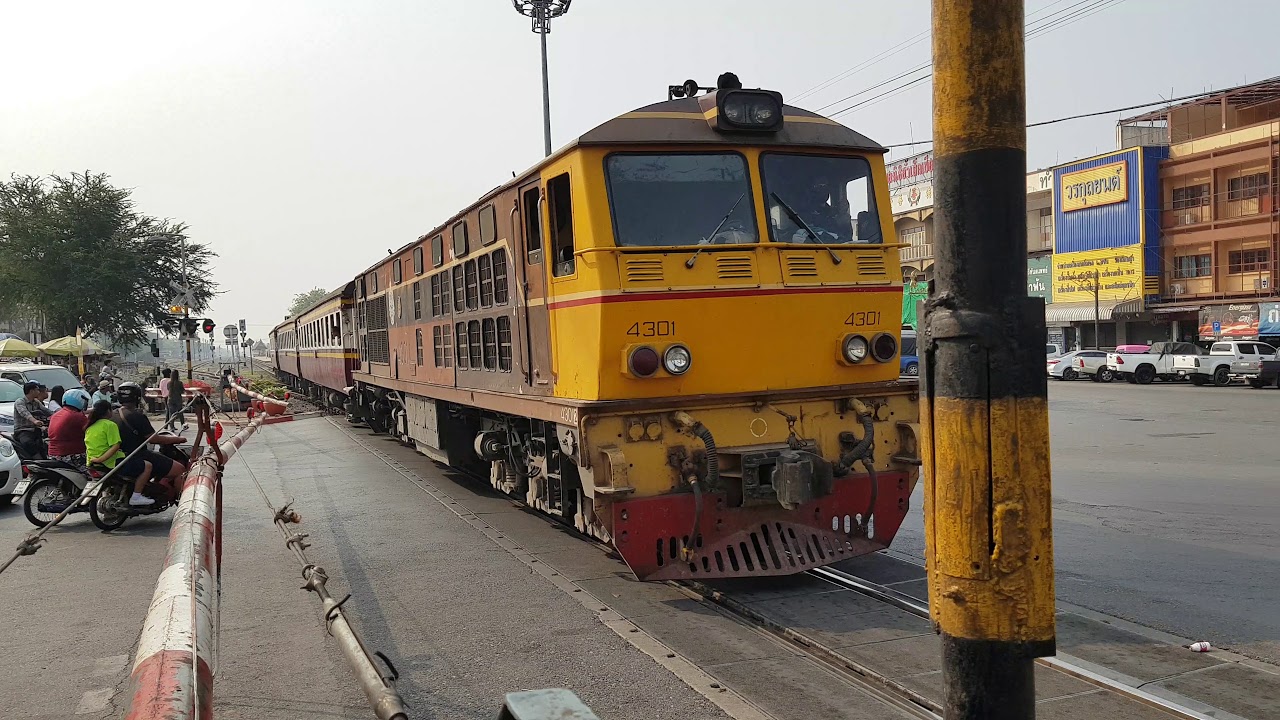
(1111, 111)
(1043, 26)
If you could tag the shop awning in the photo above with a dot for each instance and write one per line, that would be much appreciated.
(1063, 313)
(1130, 310)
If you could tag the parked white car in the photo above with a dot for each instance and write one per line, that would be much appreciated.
(1159, 361)
(1216, 367)
(10, 464)
(1073, 364)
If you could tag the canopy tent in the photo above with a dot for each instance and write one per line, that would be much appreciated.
(13, 347)
(71, 345)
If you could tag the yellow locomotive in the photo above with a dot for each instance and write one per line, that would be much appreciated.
(679, 332)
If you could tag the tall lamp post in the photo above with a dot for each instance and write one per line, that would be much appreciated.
(542, 12)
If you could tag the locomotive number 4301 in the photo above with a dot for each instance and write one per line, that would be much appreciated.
(861, 318)
(652, 328)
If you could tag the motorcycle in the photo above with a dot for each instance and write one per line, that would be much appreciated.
(49, 487)
(111, 508)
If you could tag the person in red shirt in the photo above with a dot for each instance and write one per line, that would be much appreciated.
(66, 429)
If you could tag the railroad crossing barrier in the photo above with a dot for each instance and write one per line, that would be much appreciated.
(172, 675)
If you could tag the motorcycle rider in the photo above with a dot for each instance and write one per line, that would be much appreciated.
(66, 429)
(102, 445)
(136, 430)
(30, 417)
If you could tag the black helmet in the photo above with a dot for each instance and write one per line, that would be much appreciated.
(129, 393)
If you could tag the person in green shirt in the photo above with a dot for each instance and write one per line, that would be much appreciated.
(102, 445)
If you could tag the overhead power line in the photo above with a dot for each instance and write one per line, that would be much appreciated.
(1111, 111)
(1042, 26)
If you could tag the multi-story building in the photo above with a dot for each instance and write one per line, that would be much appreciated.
(911, 195)
(1218, 212)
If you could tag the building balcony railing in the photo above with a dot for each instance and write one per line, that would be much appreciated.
(1225, 208)
(1227, 286)
(1186, 216)
(923, 251)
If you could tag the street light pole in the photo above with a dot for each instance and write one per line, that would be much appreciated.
(542, 12)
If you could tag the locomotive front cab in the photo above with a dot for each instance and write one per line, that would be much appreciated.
(728, 311)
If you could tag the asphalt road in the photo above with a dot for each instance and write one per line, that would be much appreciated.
(1166, 508)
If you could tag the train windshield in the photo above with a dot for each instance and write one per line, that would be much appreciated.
(680, 199)
(817, 199)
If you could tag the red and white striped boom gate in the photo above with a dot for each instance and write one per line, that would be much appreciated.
(172, 677)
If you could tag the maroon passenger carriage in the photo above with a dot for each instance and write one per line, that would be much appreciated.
(315, 352)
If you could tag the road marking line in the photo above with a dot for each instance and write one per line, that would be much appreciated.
(94, 701)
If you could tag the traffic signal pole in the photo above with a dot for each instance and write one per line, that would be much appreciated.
(188, 332)
(984, 410)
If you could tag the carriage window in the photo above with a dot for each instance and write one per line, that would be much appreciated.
(395, 271)
(460, 346)
(532, 225)
(490, 344)
(560, 215)
(474, 346)
(459, 289)
(704, 199)
(488, 225)
(504, 344)
(446, 294)
(435, 296)
(486, 280)
(473, 285)
(446, 338)
(417, 261)
(418, 338)
(437, 251)
(817, 199)
(460, 239)
(417, 300)
(500, 276)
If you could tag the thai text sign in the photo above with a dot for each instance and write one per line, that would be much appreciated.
(911, 183)
(1101, 185)
(1040, 278)
(1111, 274)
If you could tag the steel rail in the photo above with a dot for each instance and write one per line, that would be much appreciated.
(916, 607)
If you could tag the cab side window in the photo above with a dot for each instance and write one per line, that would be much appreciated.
(533, 225)
(560, 216)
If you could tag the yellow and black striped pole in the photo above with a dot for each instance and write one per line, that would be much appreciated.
(987, 507)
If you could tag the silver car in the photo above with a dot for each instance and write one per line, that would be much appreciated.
(1071, 365)
(10, 464)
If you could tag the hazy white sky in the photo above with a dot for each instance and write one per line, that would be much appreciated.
(304, 139)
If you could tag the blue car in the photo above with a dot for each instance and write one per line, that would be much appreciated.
(909, 363)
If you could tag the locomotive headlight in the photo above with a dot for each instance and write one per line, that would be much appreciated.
(677, 359)
(749, 110)
(855, 348)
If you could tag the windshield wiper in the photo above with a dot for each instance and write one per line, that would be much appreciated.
(795, 216)
(694, 257)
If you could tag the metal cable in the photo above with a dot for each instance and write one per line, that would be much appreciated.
(378, 688)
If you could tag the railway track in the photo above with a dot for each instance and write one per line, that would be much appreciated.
(866, 678)
(924, 706)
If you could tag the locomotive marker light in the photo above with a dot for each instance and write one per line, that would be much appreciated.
(677, 359)
(643, 361)
(883, 347)
(983, 407)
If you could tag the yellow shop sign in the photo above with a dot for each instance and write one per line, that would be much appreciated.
(1113, 274)
(1101, 185)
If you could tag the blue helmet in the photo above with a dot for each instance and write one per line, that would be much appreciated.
(76, 398)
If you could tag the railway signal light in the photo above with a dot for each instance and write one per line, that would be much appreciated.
(155, 348)
(207, 326)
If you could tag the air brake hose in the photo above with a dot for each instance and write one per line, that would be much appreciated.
(700, 431)
(862, 452)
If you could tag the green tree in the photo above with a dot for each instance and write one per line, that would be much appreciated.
(77, 249)
(303, 301)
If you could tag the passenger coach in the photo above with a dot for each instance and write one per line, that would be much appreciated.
(679, 332)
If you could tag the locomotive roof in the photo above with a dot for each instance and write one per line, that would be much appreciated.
(679, 122)
(342, 290)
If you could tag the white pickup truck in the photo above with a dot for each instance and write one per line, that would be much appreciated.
(1159, 360)
(1216, 366)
